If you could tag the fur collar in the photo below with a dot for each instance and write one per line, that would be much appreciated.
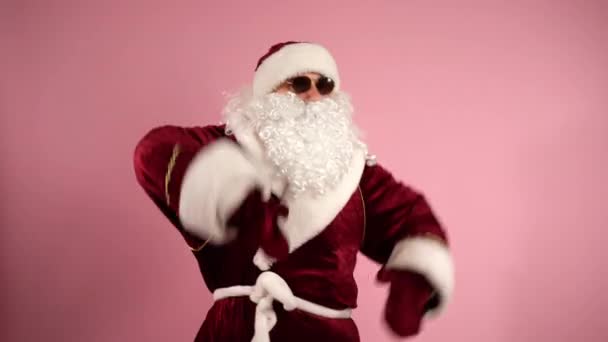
(308, 215)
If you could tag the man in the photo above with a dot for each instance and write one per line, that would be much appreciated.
(277, 203)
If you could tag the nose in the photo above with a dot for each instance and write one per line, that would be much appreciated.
(311, 95)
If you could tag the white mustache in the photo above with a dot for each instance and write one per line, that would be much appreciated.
(310, 143)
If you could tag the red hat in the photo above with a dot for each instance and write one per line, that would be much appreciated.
(288, 59)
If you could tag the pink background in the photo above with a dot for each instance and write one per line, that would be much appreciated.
(498, 112)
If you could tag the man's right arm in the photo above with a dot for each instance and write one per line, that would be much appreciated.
(197, 177)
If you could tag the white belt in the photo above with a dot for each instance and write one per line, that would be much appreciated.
(268, 287)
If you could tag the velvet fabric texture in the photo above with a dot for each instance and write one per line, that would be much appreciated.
(380, 212)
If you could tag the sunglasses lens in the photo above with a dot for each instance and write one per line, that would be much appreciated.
(300, 84)
(325, 85)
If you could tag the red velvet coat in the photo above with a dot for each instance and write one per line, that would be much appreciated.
(380, 213)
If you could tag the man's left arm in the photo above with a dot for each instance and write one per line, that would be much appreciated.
(404, 235)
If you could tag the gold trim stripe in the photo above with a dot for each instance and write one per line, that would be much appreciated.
(174, 155)
(170, 167)
(196, 249)
(364, 214)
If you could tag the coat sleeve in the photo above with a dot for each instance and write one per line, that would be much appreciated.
(197, 177)
(403, 233)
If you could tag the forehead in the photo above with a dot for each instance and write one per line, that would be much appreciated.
(311, 74)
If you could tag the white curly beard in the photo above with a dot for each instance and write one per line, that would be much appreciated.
(311, 144)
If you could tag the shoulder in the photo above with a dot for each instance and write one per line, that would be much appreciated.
(374, 172)
(378, 182)
(161, 143)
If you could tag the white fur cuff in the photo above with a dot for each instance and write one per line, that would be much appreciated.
(430, 258)
(216, 182)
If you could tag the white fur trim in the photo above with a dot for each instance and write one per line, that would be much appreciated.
(291, 60)
(216, 182)
(429, 257)
(308, 215)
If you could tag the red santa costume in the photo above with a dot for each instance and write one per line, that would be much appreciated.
(277, 203)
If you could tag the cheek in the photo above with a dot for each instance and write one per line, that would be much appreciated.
(282, 90)
(304, 96)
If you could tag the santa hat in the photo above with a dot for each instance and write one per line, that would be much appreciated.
(289, 59)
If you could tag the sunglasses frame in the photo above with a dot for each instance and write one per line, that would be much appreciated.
(323, 90)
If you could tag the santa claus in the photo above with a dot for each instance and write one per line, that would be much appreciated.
(277, 203)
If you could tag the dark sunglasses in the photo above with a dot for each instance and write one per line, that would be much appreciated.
(302, 84)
